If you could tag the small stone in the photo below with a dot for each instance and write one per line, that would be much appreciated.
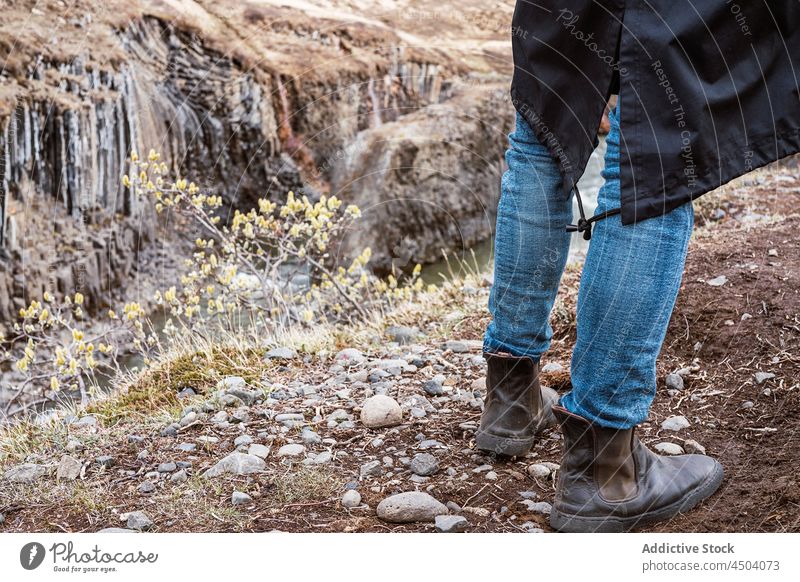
(371, 469)
(114, 530)
(310, 437)
(718, 281)
(257, 450)
(456, 346)
(537, 506)
(451, 523)
(531, 527)
(242, 440)
(248, 397)
(747, 404)
(772, 253)
(135, 438)
(237, 464)
(188, 418)
(139, 521)
(186, 393)
(86, 421)
(552, 367)
(669, 449)
(186, 447)
(25, 473)
(350, 357)
(291, 450)
(479, 511)
(675, 423)
(240, 498)
(167, 467)
(146, 487)
(491, 476)
(401, 334)
(170, 431)
(75, 446)
(351, 499)
(453, 507)
(179, 477)
(381, 411)
(674, 382)
(409, 507)
(281, 353)
(322, 458)
(762, 377)
(424, 464)
(105, 461)
(692, 446)
(539, 471)
(433, 388)
(69, 468)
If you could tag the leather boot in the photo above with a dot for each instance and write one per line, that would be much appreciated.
(610, 482)
(515, 408)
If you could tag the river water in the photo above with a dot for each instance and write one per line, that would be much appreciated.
(589, 185)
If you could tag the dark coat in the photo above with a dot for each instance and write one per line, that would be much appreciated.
(708, 89)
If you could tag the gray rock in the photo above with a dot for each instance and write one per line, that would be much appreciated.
(179, 477)
(424, 464)
(674, 382)
(240, 498)
(762, 377)
(537, 506)
(351, 499)
(188, 418)
(248, 397)
(371, 469)
(456, 346)
(433, 388)
(135, 438)
(692, 446)
(257, 450)
(139, 521)
(402, 335)
(146, 487)
(669, 449)
(675, 423)
(242, 440)
(410, 507)
(291, 450)
(231, 383)
(718, 281)
(552, 367)
(430, 444)
(451, 523)
(186, 393)
(310, 437)
(381, 411)
(116, 530)
(105, 461)
(539, 471)
(236, 464)
(281, 353)
(186, 447)
(322, 458)
(167, 467)
(531, 527)
(69, 468)
(86, 421)
(75, 446)
(170, 431)
(350, 357)
(25, 473)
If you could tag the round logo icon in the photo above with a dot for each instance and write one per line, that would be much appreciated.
(31, 555)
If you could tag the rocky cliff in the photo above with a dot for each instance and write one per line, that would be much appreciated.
(248, 98)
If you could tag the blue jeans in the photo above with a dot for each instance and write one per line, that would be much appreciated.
(629, 283)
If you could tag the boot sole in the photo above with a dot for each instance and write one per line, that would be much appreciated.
(509, 447)
(570, 523)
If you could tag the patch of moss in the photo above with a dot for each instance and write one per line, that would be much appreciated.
(157, 387)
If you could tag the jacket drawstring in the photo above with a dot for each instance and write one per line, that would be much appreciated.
(585, 225)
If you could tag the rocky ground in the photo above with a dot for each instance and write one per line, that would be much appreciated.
(372, 429)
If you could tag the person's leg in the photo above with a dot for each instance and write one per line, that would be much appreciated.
(628, 289)
(531, 248)
(608, 480)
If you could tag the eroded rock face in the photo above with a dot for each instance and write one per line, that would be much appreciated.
(427, 182)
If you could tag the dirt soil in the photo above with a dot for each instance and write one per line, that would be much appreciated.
(720, 335)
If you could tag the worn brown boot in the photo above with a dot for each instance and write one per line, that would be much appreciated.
(516, 407)
(610, 482)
